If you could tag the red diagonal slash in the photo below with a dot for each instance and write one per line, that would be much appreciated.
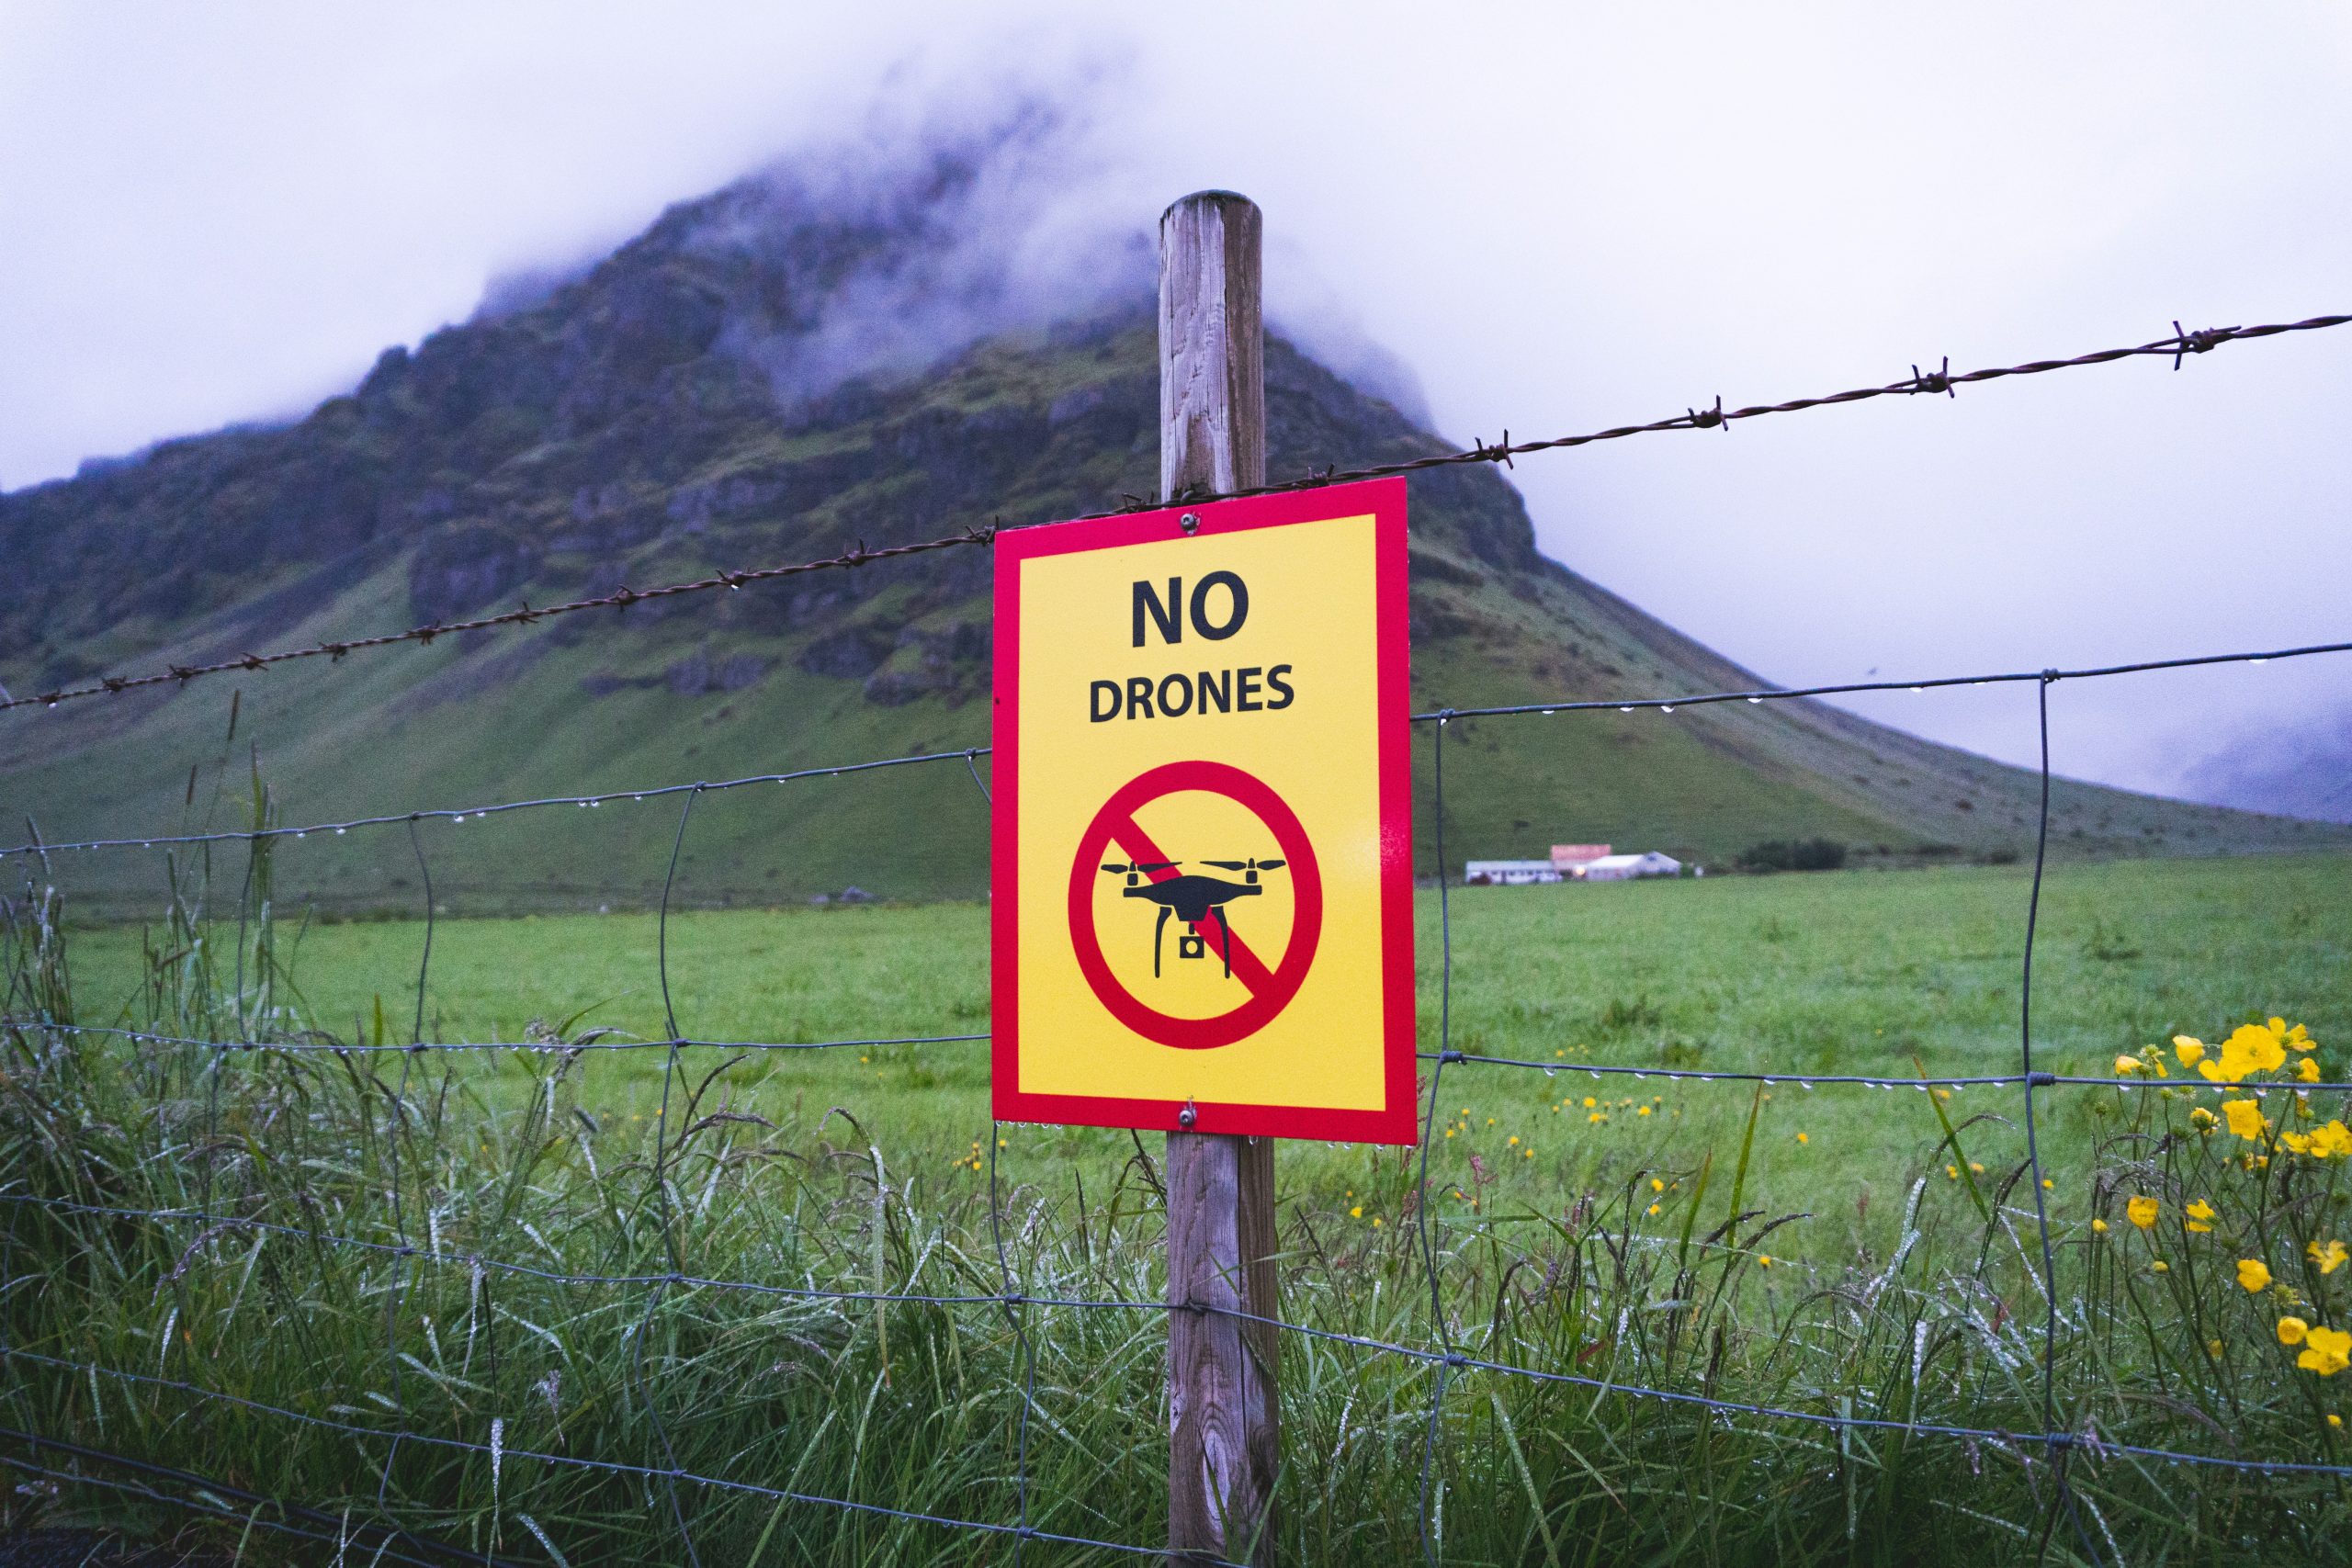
(1136, 844)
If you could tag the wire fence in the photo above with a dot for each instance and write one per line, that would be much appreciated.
(2056, 1443)
(1944, 382)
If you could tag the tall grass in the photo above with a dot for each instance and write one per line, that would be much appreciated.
(1663, 1281)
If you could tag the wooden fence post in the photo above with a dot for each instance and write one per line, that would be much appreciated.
(1224, 1440)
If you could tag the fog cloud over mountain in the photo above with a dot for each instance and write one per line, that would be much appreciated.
(1564, 220)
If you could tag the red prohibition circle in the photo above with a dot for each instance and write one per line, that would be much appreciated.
(1281, 982)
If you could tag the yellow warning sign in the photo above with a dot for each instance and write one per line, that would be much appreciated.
(1203, 838)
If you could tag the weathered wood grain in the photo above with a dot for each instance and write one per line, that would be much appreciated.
(1212, 346)
(1224, 1438)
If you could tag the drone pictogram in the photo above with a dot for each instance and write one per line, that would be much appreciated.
(1191, 898)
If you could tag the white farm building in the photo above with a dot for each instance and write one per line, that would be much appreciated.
(1624, 868)
(1509, 872)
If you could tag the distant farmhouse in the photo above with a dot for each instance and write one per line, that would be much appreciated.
(1623, 868)
(1570, 863)
(1510, 873)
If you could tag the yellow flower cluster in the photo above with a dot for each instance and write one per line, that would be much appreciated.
(2333, 1141)
(2251, 1048)
(2326, 1351)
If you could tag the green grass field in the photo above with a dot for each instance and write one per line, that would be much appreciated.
(1807, 1253)
(1851, 973)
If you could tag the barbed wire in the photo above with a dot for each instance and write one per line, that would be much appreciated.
(1942, 381)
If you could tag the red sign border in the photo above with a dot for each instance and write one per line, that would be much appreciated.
(1396, 1120)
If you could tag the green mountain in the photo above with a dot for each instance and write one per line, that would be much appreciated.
(769, 375)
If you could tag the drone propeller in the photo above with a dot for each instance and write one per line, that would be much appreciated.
(1144, 865)
(1245, 865)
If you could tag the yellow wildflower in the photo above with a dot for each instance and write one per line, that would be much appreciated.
(2334, 1420)
(2126, 1066)
(2188, 1048)
(2246, 1117)
(1976, 1168)
(1654, 1208)
(1763, 1261)
(1802, 1139)
(2291, 1330)
(1952, 1171)
(1375, 1222)
(2253, 1275)
(1514, 1141)
(2142, 1211)
(1656, 1184)
(1645, 1110)
(2308, 1070)
(2330, 1256)
(2200, 1216)
(2298, 1142)
(1589, 1102)
(2099, 1226)
(2160, 1267)
(2252, 1048)
(2332, 1141)
(2201, 1117)
(2326, 1351)
(1356, 1213)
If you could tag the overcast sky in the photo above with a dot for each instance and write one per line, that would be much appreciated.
(1561, 216)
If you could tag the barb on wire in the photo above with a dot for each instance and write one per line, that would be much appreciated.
(1711, 418)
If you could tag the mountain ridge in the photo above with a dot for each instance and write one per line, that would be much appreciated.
(719, 393)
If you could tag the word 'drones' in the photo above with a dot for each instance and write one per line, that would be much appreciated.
(1214, 609)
